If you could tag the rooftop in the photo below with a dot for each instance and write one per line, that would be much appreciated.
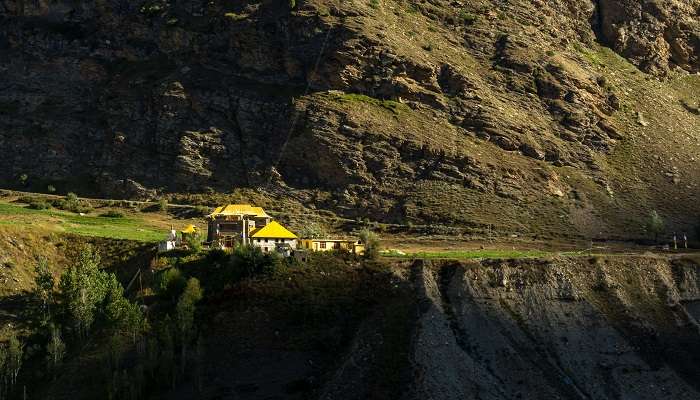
(273, 230)
(239, 209)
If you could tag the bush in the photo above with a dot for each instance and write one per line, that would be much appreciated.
(250, 261)
(170, 283)
(467, 17)
(72, 203)
(163, 204)
(39, 205)
(194, 242)
(51, 189)
(371, 242)
(112, 214)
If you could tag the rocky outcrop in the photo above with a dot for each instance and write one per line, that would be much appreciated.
(655, 35)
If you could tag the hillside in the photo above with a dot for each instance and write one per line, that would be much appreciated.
(558, 328)
(542, 118)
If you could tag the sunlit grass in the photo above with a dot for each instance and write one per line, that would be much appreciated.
(85, 225)
(470, 254)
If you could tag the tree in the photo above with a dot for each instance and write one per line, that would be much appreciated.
(312, 230)
(655, 224)
(55, 349)
(44, 282)
(371, 243)
(184, 312)
(83, 288)
(122, 315)
(249, 261)
(15, 353)
(170, 283)
(163, 205)
(23, 178)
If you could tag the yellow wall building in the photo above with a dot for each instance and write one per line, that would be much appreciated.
(352, 246)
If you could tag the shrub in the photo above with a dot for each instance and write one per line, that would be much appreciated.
(655, 224)
(163, 204)
(51, 189)
(23, 178)
(250, 261)
(467, 17)
(292, 4)
(170, 283)
(371, 242)
(72, 203)
(194, 242)
(112, 214)
(39, 205)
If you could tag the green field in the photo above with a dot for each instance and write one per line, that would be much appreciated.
(470, 254)
(116, 228)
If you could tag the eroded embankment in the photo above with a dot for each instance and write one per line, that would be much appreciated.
(618, 328)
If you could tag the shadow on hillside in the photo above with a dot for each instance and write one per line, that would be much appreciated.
(513, 326)
(20, 311)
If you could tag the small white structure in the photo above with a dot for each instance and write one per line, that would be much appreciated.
(167, 245)
(170, 243)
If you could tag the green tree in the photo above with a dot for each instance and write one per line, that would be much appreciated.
(44, 284)
(163, 205)
(170, 283)
(249, 261)
(15, 354)
(51, 189)
(184, 312)
(371, 242)
(83, 288)
(122, 315)
(655, 224)
(194, 242)
(55, 349)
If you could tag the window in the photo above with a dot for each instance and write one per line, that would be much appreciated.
(336, 245)
(322, 245)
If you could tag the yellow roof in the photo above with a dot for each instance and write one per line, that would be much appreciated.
(189, 229)
(239, 209)
(273, 230)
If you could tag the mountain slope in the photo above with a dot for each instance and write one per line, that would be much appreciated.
(469, 114)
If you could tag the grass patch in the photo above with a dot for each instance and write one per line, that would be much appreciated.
(104, 227)
(471, 254)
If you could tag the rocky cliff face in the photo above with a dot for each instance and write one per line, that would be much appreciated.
(654, 35)
(563, 329)
(468, 113)
(599, 329)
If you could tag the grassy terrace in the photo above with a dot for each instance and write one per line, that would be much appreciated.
(129, 227)
(471, 254)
